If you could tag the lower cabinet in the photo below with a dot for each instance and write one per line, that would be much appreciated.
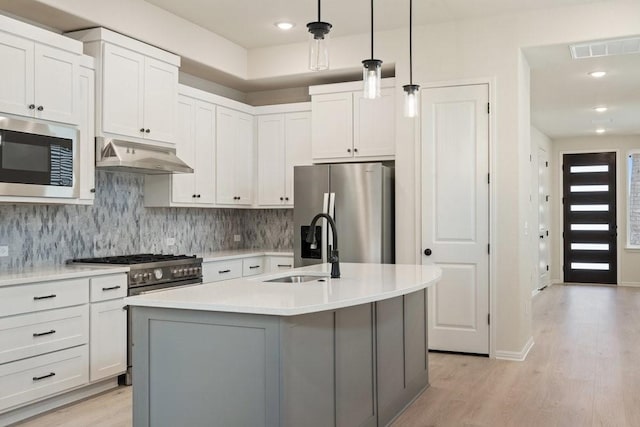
(279, 263)
(108, 332)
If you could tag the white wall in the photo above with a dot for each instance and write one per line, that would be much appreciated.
(628, 260)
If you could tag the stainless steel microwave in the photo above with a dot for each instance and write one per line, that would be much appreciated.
(37, 158)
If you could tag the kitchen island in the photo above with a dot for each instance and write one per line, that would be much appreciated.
(249, 352)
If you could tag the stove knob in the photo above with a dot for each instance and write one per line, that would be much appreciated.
(191, 271)
(136, 277)
(180, 272)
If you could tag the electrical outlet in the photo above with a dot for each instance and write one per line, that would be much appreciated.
(4, 250)
(171, 241)
(236, 237)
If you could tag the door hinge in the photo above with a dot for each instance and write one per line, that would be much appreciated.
(488, 178)
(546, 164)
(489, 248)
(530, 158)
(547, 268)
(547, 232)
(488, 318)
(546, 198)
(488, 108)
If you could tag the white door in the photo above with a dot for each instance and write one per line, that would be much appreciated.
(374, 132)
(205, 143)
(108, 346)
(56, 84)
(225, 152)
(243, 159)
(455, 215)
(16, 75)
(543, 218)
(87, 128)
(271, 168)
(183, 184)
(123, 90)
(297, 148)
(160, 98)
(332, 125)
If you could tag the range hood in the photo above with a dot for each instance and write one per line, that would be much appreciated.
(126, 156)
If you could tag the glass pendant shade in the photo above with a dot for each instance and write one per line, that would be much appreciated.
(411, 93)
(372, 77)
(319, 45)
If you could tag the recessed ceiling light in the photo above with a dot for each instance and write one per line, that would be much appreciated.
(598, 74)
(600, 109)
(285, 26)
(600, 130)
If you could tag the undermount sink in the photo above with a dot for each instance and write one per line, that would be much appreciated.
(296, 278)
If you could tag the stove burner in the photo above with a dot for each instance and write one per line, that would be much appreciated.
(134, 259)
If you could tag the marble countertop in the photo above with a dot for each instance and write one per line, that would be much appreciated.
(55, 272)
(359, 284)
(241, 253)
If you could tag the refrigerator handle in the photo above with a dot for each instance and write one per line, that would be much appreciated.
(325, 242)
(331, 211)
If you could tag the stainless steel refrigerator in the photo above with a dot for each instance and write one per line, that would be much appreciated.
(363, 209)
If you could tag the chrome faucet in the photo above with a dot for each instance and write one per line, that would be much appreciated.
(333, 252)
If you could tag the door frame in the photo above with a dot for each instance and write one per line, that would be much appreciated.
(493, 155)
(560, 211)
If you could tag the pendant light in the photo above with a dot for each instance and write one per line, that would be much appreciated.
(318, 44)
(372, 71)
(411, 90)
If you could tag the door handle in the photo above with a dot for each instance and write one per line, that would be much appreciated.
(428, 252)
(542, 236)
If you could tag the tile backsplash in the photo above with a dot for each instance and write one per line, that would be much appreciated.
(118, 223)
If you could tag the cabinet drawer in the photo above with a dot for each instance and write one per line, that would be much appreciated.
(37, 377)
(221, 270)
(108, 287)
(252, 266)
(43, 296)
(280, 263)
(43, 332)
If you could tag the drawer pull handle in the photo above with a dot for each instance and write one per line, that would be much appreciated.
(254, 266)
(44, 297)
(284, 265)
(224, 271)
(112, 288)
(49, 375)
(41, 334)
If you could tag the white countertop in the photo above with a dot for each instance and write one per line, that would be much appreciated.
(55, 272)
(241, 253)
(359, 284)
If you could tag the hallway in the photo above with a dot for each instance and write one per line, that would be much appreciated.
(584, 369)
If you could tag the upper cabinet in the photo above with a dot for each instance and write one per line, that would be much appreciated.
(234, 157)
(284, 141)
(348, 127)
(38, 79)
(137, 87)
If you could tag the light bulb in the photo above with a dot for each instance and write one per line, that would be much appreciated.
(411, 100)
(372, 78)
(318, 45)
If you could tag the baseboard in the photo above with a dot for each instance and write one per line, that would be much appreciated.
(37, 408)
(630, 284)
(516, 356)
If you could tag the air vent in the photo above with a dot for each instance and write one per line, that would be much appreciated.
(605, 48)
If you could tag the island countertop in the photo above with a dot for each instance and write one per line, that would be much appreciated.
(358, 284)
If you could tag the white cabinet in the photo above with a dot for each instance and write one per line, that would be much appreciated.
(253, 266)
(38, 80)
(234, 157)
(108, 345)
(215, 271)
(86, 142)
(195, 145)
(348, 127)
(279, 263)
(137, 86)
(108, 327)
(284, 141)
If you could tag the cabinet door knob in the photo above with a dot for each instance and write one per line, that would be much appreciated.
(141, 129)
(428, 252)
(348, 150)
(355, 150)
(281, 198)
(93, 190)
(198, 196)
(286, 198)
(32, 106)
(193, 196)
(40, 108)
(147, 131)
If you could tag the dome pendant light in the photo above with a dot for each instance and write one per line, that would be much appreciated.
(372, 71)
(411, 90)
(318, 44)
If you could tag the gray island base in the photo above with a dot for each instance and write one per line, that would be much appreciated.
(354, 366)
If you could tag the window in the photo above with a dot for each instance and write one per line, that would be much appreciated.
(633, 200)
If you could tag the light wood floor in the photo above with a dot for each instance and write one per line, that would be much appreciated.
(584, 370)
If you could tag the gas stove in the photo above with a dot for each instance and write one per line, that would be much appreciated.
(153, 271)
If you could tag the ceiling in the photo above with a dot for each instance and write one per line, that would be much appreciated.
(250, 23)
(563, 95)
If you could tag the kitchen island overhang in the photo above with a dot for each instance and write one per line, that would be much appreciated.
(348, 351)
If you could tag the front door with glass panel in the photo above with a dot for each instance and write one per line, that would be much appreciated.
(589, 207)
